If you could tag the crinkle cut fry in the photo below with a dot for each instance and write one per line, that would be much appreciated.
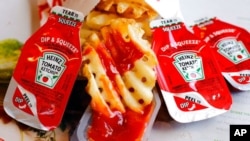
(104, 97)
(136, 9)
(135, 85)
(109, 10)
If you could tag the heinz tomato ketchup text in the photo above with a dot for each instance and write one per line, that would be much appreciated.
(231, 46)
(188, 75)
(46, 71)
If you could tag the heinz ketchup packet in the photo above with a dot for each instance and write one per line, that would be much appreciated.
(231, 46)
(188, 74)
(46, 71)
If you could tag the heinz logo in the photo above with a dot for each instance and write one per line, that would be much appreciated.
(239, 132)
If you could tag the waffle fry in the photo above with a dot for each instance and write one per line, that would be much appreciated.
(127, 8)
(108, 10)
(104, 98)
(131, 88)
(128, 23)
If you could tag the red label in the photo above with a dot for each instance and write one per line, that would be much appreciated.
(241, 79)
(187, 105)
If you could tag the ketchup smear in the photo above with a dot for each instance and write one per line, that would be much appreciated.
(129, 126)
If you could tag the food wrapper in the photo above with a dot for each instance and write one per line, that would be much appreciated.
(44, 7)
(84, 6)
(230, 45)
(188, 75)
(166, 8)
(38, 90)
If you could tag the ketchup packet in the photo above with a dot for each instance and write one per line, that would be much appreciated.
(46, 71)
(231, 46)
(188, 74)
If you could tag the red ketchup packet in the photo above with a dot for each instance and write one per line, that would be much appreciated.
(46, 71)
(188, 74)
(231, 46)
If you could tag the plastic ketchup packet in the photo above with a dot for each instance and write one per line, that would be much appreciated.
(188, 74)
(46, 71)
(231, 46)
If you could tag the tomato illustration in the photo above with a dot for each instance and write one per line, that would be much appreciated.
(45, 79)
(239, 56)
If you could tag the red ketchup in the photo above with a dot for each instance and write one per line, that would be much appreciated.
(231, 46)
(188, 74)
(46, 71)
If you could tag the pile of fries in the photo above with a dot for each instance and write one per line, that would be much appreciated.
(109, 10)
(129, 21)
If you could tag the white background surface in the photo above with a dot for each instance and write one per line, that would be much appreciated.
(233, 11)
(19, 19)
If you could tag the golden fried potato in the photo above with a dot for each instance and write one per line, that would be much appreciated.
(109, 10)
(104, 97)
(132, 88)
(107, 31)
(128, 8)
